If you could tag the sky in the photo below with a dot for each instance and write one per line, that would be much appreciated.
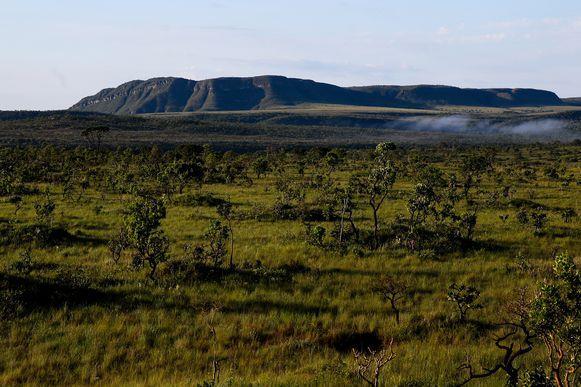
(53, 53)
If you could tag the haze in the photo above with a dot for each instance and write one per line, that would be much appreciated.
(53, 53)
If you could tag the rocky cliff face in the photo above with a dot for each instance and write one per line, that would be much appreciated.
(182, 95)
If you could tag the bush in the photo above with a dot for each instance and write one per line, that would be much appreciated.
(315, 235)
(464, 296)
(217, 236)
(200, 200)
(40, 234)
(12, 302)
(142, 224)
(24, 265)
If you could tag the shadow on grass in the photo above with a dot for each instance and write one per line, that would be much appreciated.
(340, 270)
(563, 232)
(29, 294)
(264, 306)
(44, 236)
(346, 341)
(248, 275)
(419, 327)
(22, 295)
(489, 246)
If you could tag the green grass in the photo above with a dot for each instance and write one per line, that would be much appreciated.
(270, 333)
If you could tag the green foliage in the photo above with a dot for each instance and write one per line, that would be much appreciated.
(143, 234)
(465, 297)
(260, 166)
(568, 214)
(217, 236)
(539, 220)
(556, 315)
(45, 210)
(378, 182)
(284, 301)
(535, 378)
(24, 265)
(16, 201)
(316, 235)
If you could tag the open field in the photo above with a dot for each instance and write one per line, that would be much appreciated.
(302, 126)
(297, 300)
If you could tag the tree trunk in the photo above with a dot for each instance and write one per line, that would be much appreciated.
(375, 228)
(376, 377)
(341, 224)
(355, 230)
(395, 310)
(231, 245)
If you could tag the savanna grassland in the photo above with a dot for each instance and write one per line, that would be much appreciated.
(188, 266)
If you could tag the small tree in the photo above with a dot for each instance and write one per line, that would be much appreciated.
(568, 214)
(118, 244)
(260, 166)
(515, 340)
(465, 299)
(315, 235)
(556, 314)
(16, 201)
(25, 263)
(177, 174)
(216, 360)
(378, 183)
(226, 211)
(468, 224)
(369, 364)
(539, 220)
(142, 223)
(345, 197)
(94, 135)
(522, 216)
(472, 169)
(393, 291)
(45, 210)
(217, 236)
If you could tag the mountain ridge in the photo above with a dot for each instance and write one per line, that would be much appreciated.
(174, 94)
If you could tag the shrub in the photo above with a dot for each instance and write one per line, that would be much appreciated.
(556, 317)
(45, 210)
(143, 234)
(24, 264)
(316, 235)
(40, 234)
(465, 299)
(217, 236)
(568, 214)
(539, 220)
(11, 302)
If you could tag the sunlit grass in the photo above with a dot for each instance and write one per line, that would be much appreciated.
(268, 333)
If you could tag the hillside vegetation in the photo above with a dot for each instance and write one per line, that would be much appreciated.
(305, 125)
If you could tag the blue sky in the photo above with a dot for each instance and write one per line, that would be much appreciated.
(54, 53)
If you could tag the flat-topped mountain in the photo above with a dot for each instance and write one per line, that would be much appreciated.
(160, 95)
(572, 101)
(436, 95)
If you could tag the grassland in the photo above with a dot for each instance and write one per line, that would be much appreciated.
(300, 126)
(96, 322)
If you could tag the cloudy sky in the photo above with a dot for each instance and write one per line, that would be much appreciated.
(56, 52)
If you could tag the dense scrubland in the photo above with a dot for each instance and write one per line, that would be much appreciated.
(397, 265)
(301, 126)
